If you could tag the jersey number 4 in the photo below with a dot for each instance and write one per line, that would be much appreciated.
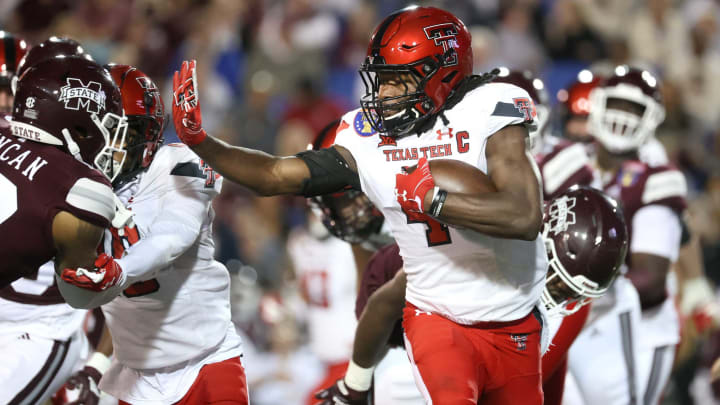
(436, 233)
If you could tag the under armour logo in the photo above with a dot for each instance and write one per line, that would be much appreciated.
(521, 341)
(402, 195)
(441, 133)
(419, 312)
(77, 94)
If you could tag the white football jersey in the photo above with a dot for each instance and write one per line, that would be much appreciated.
(326, 272)
(464, 275)
(36, 306)
(178, 305)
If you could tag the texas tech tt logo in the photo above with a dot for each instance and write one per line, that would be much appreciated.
(77, 94)
(526, 107)
(445, 35)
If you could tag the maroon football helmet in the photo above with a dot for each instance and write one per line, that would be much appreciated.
(426, 46)
(348, 215)
(586, 240)
(145, 113)
(69, 102)
(48, 49)
(535, 88)
(620, 130)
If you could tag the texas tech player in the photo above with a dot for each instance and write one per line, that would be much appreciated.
(422, 103)
(169, 315)
(55, 205)
(625, 110)
(580, 269)
(12, 49)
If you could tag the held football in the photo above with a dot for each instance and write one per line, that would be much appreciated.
(455, 176)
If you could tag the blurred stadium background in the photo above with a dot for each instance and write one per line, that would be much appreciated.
(274, 72)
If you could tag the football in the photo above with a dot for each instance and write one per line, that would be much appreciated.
(455, 176)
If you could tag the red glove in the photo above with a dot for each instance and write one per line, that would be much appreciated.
(106, 273)
(187, 116)
(410, 188)
(340, 394)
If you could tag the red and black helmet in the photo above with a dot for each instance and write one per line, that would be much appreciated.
(586, 240)
(348, 215)
(618, 130)
(574, 105)
(70, 102)
(425, 45)
(12, 50)
(535, 87)
(145, 113)
(48, 49)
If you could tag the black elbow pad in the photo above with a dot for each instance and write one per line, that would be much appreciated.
(329, 173)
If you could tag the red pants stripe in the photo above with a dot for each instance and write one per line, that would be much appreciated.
(221, 383)
(488, 364)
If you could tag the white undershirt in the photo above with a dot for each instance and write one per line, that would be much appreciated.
(656, 230)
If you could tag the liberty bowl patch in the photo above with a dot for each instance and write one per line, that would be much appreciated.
(362, 125)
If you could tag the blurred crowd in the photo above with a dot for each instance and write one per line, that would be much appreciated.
(273, 73)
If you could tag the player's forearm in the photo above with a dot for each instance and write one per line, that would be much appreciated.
(502, 214)
(253, 169)
(650, 285)
(376, 324)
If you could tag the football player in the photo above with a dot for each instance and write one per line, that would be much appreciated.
(421, 103)
(55, 204)
(169, 315)
(581, 268)
(12, 49)
(625, 110)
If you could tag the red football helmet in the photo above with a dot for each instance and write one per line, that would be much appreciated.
(348, 215)
(586, 240)
(69, 102)
(619, 129)
(574, 106)
(535, 88)
(145, 113)
(12, 50)
(426, 46)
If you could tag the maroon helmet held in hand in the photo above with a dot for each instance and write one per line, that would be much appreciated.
(70, 102)
(586, 241)
(145, 112)
(424, 47)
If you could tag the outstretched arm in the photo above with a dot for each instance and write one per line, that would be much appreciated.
(263, 173)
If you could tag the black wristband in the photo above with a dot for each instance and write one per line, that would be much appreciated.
(437, 203)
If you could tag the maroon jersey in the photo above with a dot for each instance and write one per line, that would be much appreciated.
(36, 182)
(566, 165)
(381, 268)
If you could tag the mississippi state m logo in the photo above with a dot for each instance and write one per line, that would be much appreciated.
(444, 35)
(77, 94)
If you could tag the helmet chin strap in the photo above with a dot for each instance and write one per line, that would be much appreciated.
(73, 147)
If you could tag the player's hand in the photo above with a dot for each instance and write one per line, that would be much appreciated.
(82, 387)
(106, 273)
(187, 116)
(340, 394)
(411, 188)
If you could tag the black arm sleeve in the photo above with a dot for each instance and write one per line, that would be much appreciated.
(329, 172)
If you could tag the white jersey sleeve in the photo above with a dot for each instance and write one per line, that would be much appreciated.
(657, 231)
(514, 106)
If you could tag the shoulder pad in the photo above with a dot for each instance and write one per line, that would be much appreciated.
(664, 184)
(565, 166)
(92, 196)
